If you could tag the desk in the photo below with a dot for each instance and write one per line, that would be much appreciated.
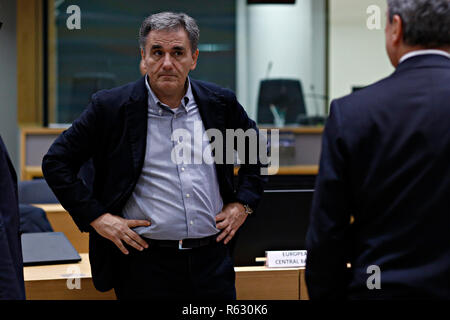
(50, 282)
(252, 283)
(61, 221)
(261, 283)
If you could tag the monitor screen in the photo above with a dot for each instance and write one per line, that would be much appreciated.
(279, 223)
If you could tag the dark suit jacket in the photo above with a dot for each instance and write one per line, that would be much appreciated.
(386, 161)
(11, 263)
(113, 132)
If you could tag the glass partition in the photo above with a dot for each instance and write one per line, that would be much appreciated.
(272, 55)
(282, 62)
(104, 52)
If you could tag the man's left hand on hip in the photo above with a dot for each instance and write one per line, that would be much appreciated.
(229, 220)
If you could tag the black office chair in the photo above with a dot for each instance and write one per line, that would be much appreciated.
(35, 191)
(38, 191)
(34, 219)
(286, 95)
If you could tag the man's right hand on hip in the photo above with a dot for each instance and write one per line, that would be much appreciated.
(118, 229)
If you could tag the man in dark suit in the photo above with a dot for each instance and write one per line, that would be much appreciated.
(385, 161)
(159, 226)
(11, 263)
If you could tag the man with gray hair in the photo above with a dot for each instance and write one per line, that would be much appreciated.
(159, 228)
(381, 212)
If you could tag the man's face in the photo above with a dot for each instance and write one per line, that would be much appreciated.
(168, 59)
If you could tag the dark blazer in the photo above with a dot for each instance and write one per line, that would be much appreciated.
(386, 161)
(11, 263)
(113, 132)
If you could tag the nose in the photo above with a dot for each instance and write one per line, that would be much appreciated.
(167, 62)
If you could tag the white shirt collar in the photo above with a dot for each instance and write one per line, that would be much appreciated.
(423, 52)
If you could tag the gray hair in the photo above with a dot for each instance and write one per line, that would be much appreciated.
(170, 21)
(425, 22)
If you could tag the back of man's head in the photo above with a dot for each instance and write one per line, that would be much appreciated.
(426, 23)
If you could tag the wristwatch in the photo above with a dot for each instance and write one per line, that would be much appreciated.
(248, 210)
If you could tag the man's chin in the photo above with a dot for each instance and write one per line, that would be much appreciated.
(167, 79)
(169, 85)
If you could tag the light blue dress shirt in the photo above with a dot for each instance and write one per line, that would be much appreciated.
(180, 200)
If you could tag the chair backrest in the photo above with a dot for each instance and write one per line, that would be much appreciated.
(35, 191)
(286, 94)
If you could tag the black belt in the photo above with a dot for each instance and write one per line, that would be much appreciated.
(183, 244)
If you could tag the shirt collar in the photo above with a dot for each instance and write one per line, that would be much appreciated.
(186, 102)
(423, 52)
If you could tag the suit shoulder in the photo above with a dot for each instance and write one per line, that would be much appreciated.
(366, 94)
(213, 88)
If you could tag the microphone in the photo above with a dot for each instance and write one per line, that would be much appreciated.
(315, 99)
(269, 68)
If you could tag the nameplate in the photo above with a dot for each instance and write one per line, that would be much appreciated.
(286, 259)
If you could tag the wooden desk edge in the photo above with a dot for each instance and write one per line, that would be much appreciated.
(296, 130)
(31, 172)
(50, 207)
(292, 170)
(41, 130)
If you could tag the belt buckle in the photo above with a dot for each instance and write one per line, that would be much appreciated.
(180, 246)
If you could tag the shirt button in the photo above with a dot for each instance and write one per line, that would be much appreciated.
(188, 195)
(182, 168)
(192, 222)
(160, 112)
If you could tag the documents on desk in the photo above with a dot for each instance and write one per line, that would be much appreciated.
(46, 248)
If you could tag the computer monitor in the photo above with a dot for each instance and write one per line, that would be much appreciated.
(279, 223)
(286, 95)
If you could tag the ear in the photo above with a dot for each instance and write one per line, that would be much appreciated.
(194, 59)
(397, 29)
(142, 54)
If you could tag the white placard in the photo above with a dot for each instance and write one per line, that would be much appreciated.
(286, 259)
